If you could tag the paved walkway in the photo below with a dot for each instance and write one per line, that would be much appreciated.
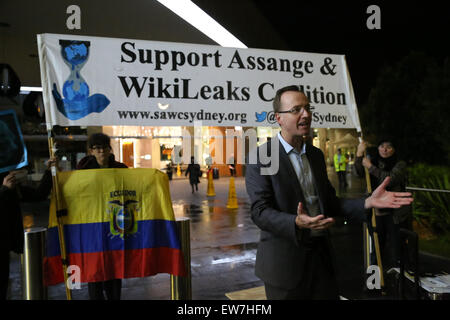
(223, 247)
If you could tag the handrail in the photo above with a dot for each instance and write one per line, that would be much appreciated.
(424, 189)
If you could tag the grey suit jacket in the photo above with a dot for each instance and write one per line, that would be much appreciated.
(274, 199)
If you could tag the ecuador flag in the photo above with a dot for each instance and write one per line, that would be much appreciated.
(120, 224)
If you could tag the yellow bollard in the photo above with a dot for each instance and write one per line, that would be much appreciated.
(178, 170)
(232, 199)
(210, 192)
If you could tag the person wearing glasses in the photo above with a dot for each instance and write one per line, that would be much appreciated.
(100, 156)
(295, 206)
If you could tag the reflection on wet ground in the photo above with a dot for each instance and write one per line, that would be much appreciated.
(223, 246)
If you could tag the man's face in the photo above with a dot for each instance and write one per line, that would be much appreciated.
(101, 154)
(294, 124)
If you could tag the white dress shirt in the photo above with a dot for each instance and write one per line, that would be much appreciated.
(303, 171)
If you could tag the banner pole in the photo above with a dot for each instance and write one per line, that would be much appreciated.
(375, 233)
(60, 213)
(366, 242)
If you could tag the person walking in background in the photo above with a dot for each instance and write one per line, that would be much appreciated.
(100, 156)
(384, 163)
(169, 169)
(232, 166)
(340, 164)
(194, 172)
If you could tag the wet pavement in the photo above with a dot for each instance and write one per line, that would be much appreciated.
(223, 247)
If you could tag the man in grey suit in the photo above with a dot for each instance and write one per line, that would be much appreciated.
(295, 206)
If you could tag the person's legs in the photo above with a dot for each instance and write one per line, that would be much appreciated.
(95, 290)
(391, 232)
(318, 281)
(344, 177)
(300, 292)
(381, 228)
(407, 224)
(4, 274)
(276, 293)
(113, 289)
(324, 283)
(341, 178)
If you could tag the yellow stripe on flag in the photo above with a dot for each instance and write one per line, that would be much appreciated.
(87, 194)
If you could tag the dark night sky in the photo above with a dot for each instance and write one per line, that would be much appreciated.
(339, 27)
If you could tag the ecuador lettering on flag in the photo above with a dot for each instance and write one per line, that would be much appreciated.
(120, 224)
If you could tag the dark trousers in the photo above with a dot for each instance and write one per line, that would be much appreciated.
(4, 274)
(112, 289)
(318, 281)
(342, 180)
(389, 240)
(196, 187)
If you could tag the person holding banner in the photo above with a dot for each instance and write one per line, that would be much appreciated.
(295, 206)
(100, 156)
(384, 163)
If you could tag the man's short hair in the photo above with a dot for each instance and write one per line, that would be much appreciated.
(277, 99)
(98, 139)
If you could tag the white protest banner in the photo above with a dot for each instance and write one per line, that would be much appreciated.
(108, 81)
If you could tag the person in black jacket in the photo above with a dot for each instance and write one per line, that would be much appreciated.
(100, 156)
(194, 172)
(382, 163)
(11, 237)
(295, 205)
(13, 233)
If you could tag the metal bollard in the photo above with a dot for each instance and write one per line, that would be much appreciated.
(180, 287)
(32, 264)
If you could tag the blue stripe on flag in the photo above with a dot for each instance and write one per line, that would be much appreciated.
(96, 237)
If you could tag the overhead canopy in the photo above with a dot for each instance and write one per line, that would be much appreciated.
(106, 81)
(347, 141)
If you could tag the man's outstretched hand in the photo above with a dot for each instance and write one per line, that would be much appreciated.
(381, 198)
(303, 220)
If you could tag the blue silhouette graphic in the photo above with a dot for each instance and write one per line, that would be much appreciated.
(76, 103)
(13, 152)
(260, 117)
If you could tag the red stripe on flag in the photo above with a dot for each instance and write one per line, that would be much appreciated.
(117, 264)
